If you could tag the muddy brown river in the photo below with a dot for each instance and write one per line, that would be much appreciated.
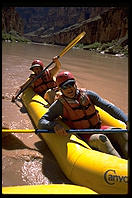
(26, 159)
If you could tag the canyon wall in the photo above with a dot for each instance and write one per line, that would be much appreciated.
(110, 25)
(11, 21)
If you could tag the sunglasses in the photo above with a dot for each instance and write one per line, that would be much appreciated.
(69, 85)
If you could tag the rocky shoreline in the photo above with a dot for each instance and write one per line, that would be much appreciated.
(117, 48)
(13, 36)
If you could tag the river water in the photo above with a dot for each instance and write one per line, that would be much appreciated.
(26, 159)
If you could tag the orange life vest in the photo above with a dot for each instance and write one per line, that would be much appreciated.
(44, 83)
(77, 115)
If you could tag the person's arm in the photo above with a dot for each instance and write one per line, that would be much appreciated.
(107, 106)
(48, 120)
(56, 68)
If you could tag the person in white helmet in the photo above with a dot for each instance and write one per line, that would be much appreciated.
(77, 109)
(45, 86)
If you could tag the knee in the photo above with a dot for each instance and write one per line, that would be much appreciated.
(48, 93)
(103, 138)
(98, 138)
(50, 96)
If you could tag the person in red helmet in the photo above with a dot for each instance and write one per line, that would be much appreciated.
(77, 109)
(45, 85)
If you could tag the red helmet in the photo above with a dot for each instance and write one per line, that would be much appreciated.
(63, 77)
(37, 63)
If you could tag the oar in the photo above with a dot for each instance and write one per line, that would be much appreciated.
(66, 49)
(78, 131)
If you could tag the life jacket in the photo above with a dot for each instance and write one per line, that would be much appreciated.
(43, 83)
(77, 115)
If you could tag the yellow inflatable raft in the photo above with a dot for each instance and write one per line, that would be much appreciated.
(103, 173)
(47, 189)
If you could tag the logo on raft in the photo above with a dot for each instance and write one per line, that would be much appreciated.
(111, 177)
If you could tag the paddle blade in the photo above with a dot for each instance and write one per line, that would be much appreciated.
(72, 43)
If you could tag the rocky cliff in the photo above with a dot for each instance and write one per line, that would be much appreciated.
(110, 25)
(59, 25)
(11, 21)
(45, 20)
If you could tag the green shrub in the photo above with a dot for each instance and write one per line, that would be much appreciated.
(92, 46)
(13, 36)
